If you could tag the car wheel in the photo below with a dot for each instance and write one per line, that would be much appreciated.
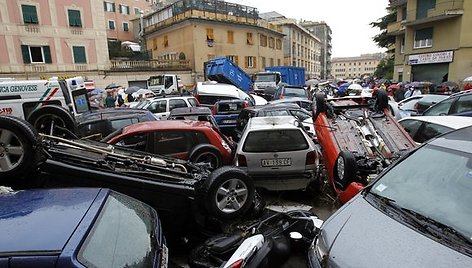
(228, 193)
(53, 120)
(19, 148)
(344, 169)
(208, 154)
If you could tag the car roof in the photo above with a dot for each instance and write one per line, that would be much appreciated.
(163, 97)
(290, 100)
(450, 121)
(43, 220)
(166, 125)
(190, 111)
(110, 113)
(458, 140)
(217, 89)
(272, 122)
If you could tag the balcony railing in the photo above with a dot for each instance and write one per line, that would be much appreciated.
(134, 65)
(32, 28)
(441, 9)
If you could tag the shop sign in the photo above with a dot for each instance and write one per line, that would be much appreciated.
(429, 58)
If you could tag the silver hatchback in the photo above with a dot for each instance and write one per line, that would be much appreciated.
(277, 153)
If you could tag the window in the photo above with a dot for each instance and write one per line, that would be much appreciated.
(233, 58)
(166, 142)
(464, 104)
(29, 14)
(279, 140)
(74, 18)
(402, 46)
(109, 7)
(231, 37)
(137, 11)
(79, 55)
(279, 62)
(263, 62)
(125, 26)
(124, 9)
(271, 61)
(176, 104)
(166, 41)
(441, 108)
(423, 38)
(263, 40)
(36, 54)
(210, 36)
(249, 39)
(271, 42)
(250, 62)
(278, 44)
(158, 107)
(111, 24)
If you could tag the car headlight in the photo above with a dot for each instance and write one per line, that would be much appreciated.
(321, 251)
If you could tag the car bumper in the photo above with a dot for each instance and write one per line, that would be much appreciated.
(283, 182)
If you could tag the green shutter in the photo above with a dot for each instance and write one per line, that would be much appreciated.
(105, 6)
(113, 7)
(79, 55)
(29, 14)
(47, 54)
(26, 55)
(74, 18)
(125, 26)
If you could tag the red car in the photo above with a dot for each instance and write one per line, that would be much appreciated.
(197, 141)
(357, 143)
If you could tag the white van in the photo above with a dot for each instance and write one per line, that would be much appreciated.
(45, 103)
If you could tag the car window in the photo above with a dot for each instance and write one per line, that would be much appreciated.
(464, 104)
(300, 115)
(122, 236)
(429, 131)
(294, 92)
(193, 102)
(411, 126)
(230, 108)
(158, 107)
(92, 128)
(410, 104)
(276, 113)
(120, 123)
(167, 142)
(137, 142)
(278, 140)
(441, 108)
(176, 103)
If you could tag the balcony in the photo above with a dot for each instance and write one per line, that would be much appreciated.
(32, 28)
(76, 31)
(149, 65)
(396, 28)
(442, 11)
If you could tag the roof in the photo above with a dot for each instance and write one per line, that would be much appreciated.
(458, 140)
(42, 220)
(166, 125)
(451, 121)
(272, 122)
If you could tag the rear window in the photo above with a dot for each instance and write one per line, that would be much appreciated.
(275, 140)
(211, 100)
(230, 108)
(193, 102)
(295, 92)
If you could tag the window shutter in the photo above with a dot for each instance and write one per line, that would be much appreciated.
(79, 55)
(120, 8)
(255, 62)
(47, 54)
(74, 18)
(25, 53)
(105, 6)
(29, 14)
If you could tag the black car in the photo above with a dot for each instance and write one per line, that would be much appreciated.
(456, 104)
(416, 213)
(176, 188)
(291, 92)
(98, 124)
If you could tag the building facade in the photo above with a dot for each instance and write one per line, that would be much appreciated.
(301, 48)
(201, 30)
(433, 40)
(356, 67)
(323, 32)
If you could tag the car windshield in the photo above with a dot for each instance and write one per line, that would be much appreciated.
(278, 140)
(434, 182)
(265, 78)
(142, 104)
(123, 235)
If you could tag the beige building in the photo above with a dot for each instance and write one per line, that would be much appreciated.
(433, 40)
(200, 30)
(356, 67)
(301, 48)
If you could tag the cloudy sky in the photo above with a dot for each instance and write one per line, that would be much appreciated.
(349, 20)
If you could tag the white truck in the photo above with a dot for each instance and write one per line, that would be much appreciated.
(165, 84)
(266, 83)
(49, 105)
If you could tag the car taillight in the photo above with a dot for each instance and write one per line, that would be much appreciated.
(237, 264)
(241, 161)
(311, 158)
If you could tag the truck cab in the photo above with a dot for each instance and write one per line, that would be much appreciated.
(164, 84)
(266, 84)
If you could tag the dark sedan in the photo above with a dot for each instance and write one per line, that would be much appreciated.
(88, 227)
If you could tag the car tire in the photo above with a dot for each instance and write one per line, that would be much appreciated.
(44, 118)
(345, 169)
(228, 193)
(19, 149)
(206, 153)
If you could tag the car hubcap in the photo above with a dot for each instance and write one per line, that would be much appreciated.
(232, 195)
(11, 150)
(340, 167)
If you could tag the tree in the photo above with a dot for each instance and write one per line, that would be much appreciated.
(385, 68)
(383, 39)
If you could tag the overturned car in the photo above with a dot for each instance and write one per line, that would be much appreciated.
(357, 141)
(178, 189)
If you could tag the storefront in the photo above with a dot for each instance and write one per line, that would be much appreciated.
(433, 67)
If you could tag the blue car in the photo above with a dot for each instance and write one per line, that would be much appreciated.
(226, 113)
(80, 227)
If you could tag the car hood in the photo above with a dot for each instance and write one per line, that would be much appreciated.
(360, 235)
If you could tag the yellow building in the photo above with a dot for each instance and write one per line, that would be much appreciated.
(433, 40)
(200, 30)
(355, 67)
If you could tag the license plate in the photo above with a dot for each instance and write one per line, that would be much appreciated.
(276, 162)
(229, 121)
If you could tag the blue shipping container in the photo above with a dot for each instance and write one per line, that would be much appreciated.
(294, 76)
(223, 70)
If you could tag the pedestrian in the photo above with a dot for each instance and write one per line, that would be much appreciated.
(416, 91)
(120, 101)
(110, 100)
(130, 98)
(399, 93)
(409, 92)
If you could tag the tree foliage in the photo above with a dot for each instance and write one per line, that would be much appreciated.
(383, 39)
(385, 68)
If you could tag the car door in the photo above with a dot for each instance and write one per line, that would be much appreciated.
(463, 106)
(430, 130)
(159, 108)
(175, 143)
